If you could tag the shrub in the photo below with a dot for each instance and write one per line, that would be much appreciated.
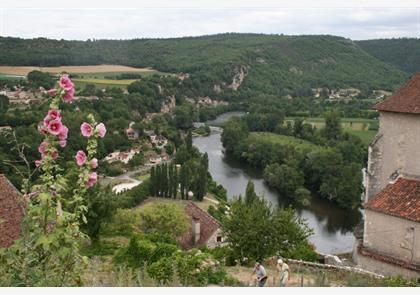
(124, 222)
(162, 270)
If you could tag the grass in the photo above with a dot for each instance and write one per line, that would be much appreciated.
(355, 126)
(299, 144)
(102, 82)
(24, 70)
(347, 123)
(365, 135)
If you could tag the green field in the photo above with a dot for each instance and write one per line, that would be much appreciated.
(346, 123)
(112, 75)
(107, 78)
(10, 77)
(360, 127)
(102, 82)
(365, 135)
(269, 137)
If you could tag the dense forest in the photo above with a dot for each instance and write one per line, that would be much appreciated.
(270, 64)
(404, 53)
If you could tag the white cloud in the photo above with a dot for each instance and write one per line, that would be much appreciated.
(355, 23)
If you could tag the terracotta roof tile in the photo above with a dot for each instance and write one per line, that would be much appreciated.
(404, 100)
(208, 226)
(11, 212)
(388, 259)
(400, 199)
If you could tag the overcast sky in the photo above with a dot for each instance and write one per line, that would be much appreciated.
(162, 22)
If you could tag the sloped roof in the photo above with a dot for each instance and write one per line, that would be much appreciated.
(404, 100)
(400, 199)
(208, 226)
(11, 212)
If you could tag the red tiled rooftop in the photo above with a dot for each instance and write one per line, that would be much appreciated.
(400, 199)
(208, 226)
(404, 100)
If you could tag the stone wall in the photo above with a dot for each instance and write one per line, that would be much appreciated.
(393, 236)
(212, 241)
(386, 269)
(394, 150)
(11, 212)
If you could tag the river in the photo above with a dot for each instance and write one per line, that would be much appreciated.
(333, 226)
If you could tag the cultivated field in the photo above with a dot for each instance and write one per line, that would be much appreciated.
(269, 137)
(24, 70)
(365, 129)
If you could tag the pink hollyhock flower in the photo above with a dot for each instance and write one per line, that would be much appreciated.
(52, 92)
(54, 114)
(80, 158)
(93, 177)
(66, 83)
(54, 154)
(69, 95)
(42, 129)
(62, 143)
(63, 134)
(54, 127)
(86, 129)
(38, 163)
(100, 128)
(94, 163)
(42, 149)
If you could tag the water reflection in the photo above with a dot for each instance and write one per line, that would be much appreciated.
(332, 226)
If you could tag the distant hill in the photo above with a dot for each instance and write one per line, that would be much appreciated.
(404, 53)
(224, 65)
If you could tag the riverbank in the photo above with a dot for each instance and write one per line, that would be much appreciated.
(333, 226)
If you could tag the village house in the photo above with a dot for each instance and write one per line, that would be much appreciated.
(18, 95)
(131, 132)
(124, 157)
(205, 230)
(159, 141)
(11, 212)
(390, 241)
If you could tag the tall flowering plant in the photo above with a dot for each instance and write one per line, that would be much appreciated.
(47, 252)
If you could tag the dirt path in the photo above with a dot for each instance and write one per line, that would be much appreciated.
(243, 274)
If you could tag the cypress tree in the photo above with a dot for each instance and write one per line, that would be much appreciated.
(159, 180)
(250, 195)
(152, 181)
(165, 180)
(175, 182)
(170, 180)
(182, 181)
(188, 141)
(202, 188)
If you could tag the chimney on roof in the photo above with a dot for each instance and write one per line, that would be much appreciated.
(195, 224)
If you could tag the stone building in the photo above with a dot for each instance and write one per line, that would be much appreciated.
(390, 243)
(11, 212)
(204, 231)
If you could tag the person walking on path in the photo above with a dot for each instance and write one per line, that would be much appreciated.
(259, 270)
(284, 272)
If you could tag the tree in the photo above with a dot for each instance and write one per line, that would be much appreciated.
(101, 203)
(188, 141)
(175, 182)
(163, 218)
(4, 103)
(233, 132)
(250, 195)
(285, 179)
(38, 78)
(332, 129)
(256, 231)
(202, 177)
(153, 181)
